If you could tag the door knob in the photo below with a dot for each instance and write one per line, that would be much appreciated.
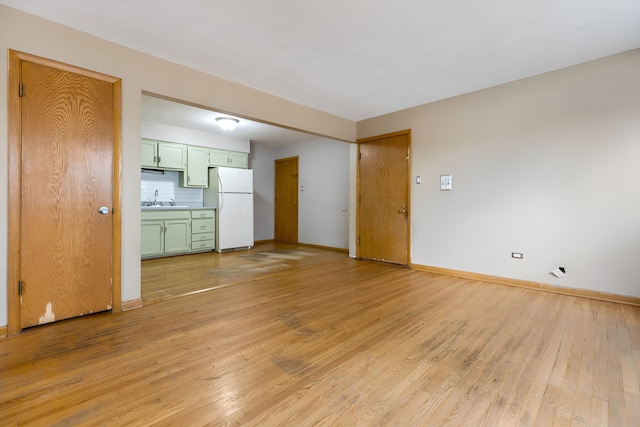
(103, 210)
(403, 209)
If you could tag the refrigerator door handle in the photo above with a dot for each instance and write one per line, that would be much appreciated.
(221, 193)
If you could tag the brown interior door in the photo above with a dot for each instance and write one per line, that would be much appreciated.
(66, 242)
(286, 200)
(383, 198)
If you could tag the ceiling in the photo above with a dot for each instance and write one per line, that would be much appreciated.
(167, 112)
(358, 59)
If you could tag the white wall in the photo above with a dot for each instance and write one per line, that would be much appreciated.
(548, 166)
(139, 72)
(261, 161)
(323, 194)
(164, 132)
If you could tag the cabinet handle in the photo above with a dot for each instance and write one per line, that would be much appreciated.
(203, 227)
(188, 178)
(203, 215)
(159, 159)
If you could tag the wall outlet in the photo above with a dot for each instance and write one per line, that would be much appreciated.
(517, 255)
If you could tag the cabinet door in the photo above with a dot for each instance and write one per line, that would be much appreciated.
(196, 174)
(238, 159)
(172, 156)
(149, 155)
(218, 158)
(177, 236)
(152, 238)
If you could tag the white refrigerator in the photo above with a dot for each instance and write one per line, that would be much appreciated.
(231, 193)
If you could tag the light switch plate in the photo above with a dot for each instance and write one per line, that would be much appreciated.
(445, 182)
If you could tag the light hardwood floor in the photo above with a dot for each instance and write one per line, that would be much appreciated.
(336, 343)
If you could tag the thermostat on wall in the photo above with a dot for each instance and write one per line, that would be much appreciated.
(445, 182)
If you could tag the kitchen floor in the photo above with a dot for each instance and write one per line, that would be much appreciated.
(172, 277)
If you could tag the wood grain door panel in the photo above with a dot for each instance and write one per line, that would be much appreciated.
(286, 200)
(66, 245)
(383, 200)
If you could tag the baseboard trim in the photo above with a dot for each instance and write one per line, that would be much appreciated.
(132, 304)
(330, 248)
(263, 241)
(584, 293)
(3, 331)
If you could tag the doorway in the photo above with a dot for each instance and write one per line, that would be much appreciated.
(286, 200)
(64, 192)
(383, 218)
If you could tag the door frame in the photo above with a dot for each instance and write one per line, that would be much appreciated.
(408, 183)
(14, 170)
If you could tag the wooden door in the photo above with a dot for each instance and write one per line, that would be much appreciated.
(65, 242)
(383, 198)
(286, 200)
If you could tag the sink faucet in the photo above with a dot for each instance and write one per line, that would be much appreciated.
(155, 198)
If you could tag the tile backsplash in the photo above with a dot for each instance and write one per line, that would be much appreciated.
(168, 187)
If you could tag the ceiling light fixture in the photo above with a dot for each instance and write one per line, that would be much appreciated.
(227, 123)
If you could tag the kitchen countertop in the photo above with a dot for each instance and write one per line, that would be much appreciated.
(179, 207)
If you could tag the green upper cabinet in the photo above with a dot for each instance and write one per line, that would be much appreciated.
(238, 159)
(218, 158)
(196, 174)
(192, 160)
(149, 155)
(172, 155)
(163, 155)
(227, 158)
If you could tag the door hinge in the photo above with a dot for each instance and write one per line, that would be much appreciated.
(20, 90)
(20, 287)
(358, 240)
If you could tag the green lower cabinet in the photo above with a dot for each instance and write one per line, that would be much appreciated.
(171, 232)
(165, 232)
(152, 238)
(202, 230)
(177, 236)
